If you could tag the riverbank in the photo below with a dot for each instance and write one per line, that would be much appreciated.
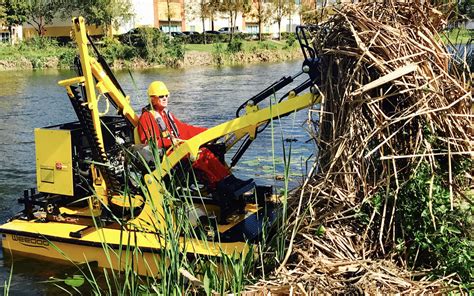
(51, 56)
(191, 59)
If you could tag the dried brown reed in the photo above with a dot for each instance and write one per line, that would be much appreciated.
(389, 88)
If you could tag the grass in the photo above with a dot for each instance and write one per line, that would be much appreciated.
(458, 35)
(38, 52)
(43, 52)
(247, 45)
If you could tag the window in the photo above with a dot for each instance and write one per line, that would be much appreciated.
(172, 28)
(192, 28)
(5, 37)
(252, 29)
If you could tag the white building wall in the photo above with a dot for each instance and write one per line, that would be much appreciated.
(222, 20)
(194, 22)
(143, 16)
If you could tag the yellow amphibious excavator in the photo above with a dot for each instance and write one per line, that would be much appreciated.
(88, 199)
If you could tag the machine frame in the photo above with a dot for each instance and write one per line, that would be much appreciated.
(64, 224)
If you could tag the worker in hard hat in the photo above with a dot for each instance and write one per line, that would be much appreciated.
(159, 124)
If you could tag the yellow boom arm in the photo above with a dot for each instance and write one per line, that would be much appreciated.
(95, 77)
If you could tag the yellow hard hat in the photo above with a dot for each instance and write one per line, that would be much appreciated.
(158, 88)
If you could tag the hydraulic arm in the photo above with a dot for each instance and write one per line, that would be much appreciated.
(96, 202)
(95, 77)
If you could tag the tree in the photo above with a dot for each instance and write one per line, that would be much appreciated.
(37, 13)
(211, 8)
(3, 13)
(262, 13)
(105, 13)
(12, 13)
(466, 7)
(203, 9)
(280, 10)
(291, 9)
(232, 8)
(169, 14)
(198, 9)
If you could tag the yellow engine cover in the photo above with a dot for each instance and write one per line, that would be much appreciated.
(54, 161)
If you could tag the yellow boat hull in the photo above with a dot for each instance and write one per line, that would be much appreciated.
(118, 248)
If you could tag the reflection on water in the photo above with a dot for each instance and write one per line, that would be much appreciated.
(200, 96)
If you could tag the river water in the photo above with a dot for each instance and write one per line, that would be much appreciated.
(200, 96)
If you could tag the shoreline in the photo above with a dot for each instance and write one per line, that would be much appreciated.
(191, 59)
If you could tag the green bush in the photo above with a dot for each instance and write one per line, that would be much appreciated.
(37, 62)
(174, 51)
(287, 35)
(38, 42)
(429, 233)
(218, 53)
(114, 50)
(235, 45)
(154, 46)
(66, 59)
(290, 40)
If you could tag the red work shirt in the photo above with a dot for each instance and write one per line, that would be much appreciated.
(148, 129)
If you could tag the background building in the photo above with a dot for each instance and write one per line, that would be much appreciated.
(10, 35)
(181, 15)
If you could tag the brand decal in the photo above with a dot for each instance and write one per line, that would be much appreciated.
(31, 241)
(60, 218)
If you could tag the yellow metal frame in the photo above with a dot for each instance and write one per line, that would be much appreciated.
(54, 173)
(53, 239)
(231, 131)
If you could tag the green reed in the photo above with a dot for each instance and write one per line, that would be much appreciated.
(180, 272)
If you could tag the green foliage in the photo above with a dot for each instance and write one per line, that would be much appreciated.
(218, 53)
(466, 7)
(290, 40)
(66, 58)
(38, 62)
(149, 43)
(154, 46)
(101, 12)
(235, 45)
(458, 35)
(174, 51)
(40, 51)
(430, 233)
(13, 12)
(266, 45)
(75, 281)
(38, 13)
(114, 50)
(39, 42)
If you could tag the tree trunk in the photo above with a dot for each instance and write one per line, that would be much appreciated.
(231, 26)
(10, 29)
(169, 17)
(279, 30)
(204, 29)
(235, 22)
(260, 25)
(289, 21)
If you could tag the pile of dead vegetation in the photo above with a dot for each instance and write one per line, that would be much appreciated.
(389, 207)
